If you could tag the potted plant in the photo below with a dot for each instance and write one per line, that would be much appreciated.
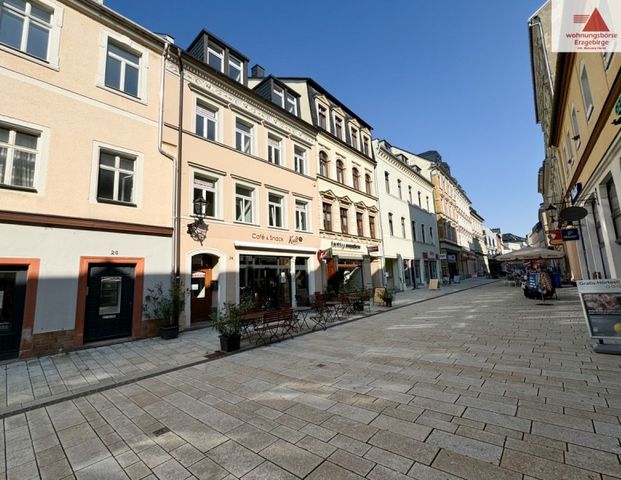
(166, 304)
(387, 297)
(229, 325)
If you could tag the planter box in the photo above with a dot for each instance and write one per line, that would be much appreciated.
(169, 332)
(230, 343)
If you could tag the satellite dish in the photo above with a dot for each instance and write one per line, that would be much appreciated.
(573, 214)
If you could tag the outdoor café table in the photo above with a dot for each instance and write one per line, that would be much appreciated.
(250, 319)
(301, 313)
(337, 309)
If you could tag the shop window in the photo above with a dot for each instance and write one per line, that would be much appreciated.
(615, 209)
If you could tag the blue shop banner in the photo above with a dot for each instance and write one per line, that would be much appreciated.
(570, 234)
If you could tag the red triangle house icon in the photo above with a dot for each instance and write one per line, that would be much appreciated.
(596, 23)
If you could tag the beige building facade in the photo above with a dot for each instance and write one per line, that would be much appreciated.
(579, 110)
(86, 206)
(251, 161)
(350, 235)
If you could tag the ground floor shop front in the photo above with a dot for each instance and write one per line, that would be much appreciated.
(61, 288)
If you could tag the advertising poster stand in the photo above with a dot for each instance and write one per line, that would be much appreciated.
(601, 304)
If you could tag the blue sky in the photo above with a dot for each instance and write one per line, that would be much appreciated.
(446, 75)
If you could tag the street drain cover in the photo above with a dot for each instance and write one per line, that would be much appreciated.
(320, 365)
(161, 431)
(544, 304)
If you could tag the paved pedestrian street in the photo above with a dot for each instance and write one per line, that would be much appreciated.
(480, 384)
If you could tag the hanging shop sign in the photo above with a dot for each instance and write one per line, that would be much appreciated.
(570, 234)
(324, 254)
(452, 259)
(601, 304)
(554, 237)
(442, 256)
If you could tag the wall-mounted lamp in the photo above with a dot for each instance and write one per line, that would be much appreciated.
(198, 228)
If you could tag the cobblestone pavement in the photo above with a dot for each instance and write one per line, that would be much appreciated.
(482, 384)
(38, 380)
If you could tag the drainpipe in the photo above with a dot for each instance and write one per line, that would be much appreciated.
(160, 128)
(176, 214)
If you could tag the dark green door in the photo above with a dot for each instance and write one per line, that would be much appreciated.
(109, 302)
(12, 298)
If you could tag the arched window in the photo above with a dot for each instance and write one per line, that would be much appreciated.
(356, 178)
(367, 181)
(323, 163)
(340, 171)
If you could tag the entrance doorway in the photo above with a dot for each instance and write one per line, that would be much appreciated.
(109, 301)
(12, 303)
(203, 287)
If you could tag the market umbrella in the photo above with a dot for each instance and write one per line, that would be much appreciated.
(530, 253)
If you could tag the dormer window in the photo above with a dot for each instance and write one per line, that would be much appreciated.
(215, 57)
(279, 96)
(292, 104)
(236, 69)
(354, 138)
(338, 127)
(322, 116)
(365, 145)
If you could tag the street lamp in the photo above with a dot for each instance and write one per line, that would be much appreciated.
(198, 228)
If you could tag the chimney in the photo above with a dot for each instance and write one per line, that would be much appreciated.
(257, 71)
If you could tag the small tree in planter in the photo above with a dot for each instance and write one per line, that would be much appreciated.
(387, 297)
(166, 304)
(229, 325)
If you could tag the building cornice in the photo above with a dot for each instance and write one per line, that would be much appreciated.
(244, 101)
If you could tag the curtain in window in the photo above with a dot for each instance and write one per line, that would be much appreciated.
(23, 169)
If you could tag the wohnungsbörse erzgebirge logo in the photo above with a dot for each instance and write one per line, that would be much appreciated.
(586, 25)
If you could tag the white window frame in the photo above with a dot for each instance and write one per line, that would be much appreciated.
(117, 169)
(218, 180)
(53, 47)
(41, 158)
(297, 158)
(588, 109)
(138, 173)
(399, 189)
(283, 209)
(136, 48)
(306, 213)
(291, 100)
(252, 128)
(211, 49)
(365, 144)
(238, 65)
(279, 93)
(275, 139)
(200, 102)
(253, 200)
